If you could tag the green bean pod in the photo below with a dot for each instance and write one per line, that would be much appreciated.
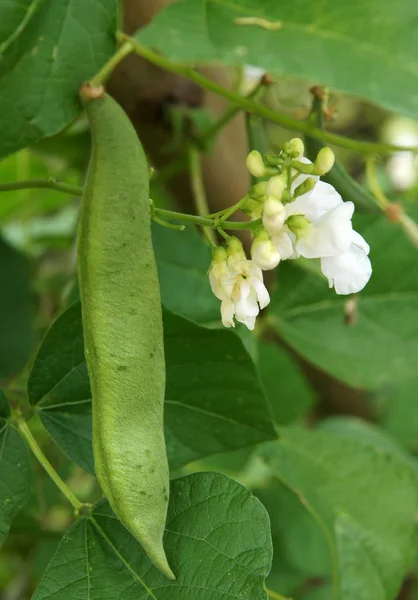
(122, 324)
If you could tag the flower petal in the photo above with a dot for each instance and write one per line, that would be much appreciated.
(330, 235)
(322, 199)
(227, 313)
(349, 272)
(247, 305)
(263, 296)
(248, 321)
(285, 244)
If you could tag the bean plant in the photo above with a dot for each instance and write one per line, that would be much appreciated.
(209, 294)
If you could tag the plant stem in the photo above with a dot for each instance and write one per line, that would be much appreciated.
(52, 184)
(263, 111)
(206, 221)
(408, 225)
(198, 189)
(378, 195)
(33, 444)
(168, 225)
(107, 69)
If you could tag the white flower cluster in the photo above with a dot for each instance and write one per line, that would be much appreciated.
(301, 217)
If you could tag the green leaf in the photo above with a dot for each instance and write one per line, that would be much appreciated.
(297, 539)
(357, 429)
(217, 542)
(183, 260)
(16, 324)
(64, 44)
(382, 343)
(212, 388)
(338, 44)
(287, 390)
(14, 475)
(15, 16)
(399, 412)
(364, 500)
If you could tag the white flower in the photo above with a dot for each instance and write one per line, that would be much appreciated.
(249, 294)
(285, 242)
(264, 252)
(219, 273)
(326, 228)
(350, 271)
(238, 283)
(402, 166)
(274, 215)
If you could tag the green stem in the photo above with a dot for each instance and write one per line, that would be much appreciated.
(198, 189)
(33, 445)
(168, 225)
(206, 221)
(374, 186)
(107, 69)
(263, 111)
(52, 184)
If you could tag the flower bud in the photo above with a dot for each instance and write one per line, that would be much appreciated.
(235, 249)
(276, 186)
(252, 208)
(219, 254)
(324, 161)
(296, 148)
(298, 224)
(255, 164)
(258, 191)
(274, 215)
(219, 272)
(263, 252)
(305, 187)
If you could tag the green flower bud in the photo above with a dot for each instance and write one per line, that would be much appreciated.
(258, 191)
(273, 160)
(276, 186)
(298, 224)
(296, 148)
(235, 248)
(255, 164)
(219, 254)
(305, 187)
(301, 167)
(324, 161)
(253, 208)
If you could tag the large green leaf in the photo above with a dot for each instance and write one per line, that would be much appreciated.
(398, 404)
(364, 48)
(217, 542)
(382, 344)
(16, 322)
(287, 390)
(14, 471)
(363, 498)
(15, 16)
(183, 260)
(214, 401)
(41, 70)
